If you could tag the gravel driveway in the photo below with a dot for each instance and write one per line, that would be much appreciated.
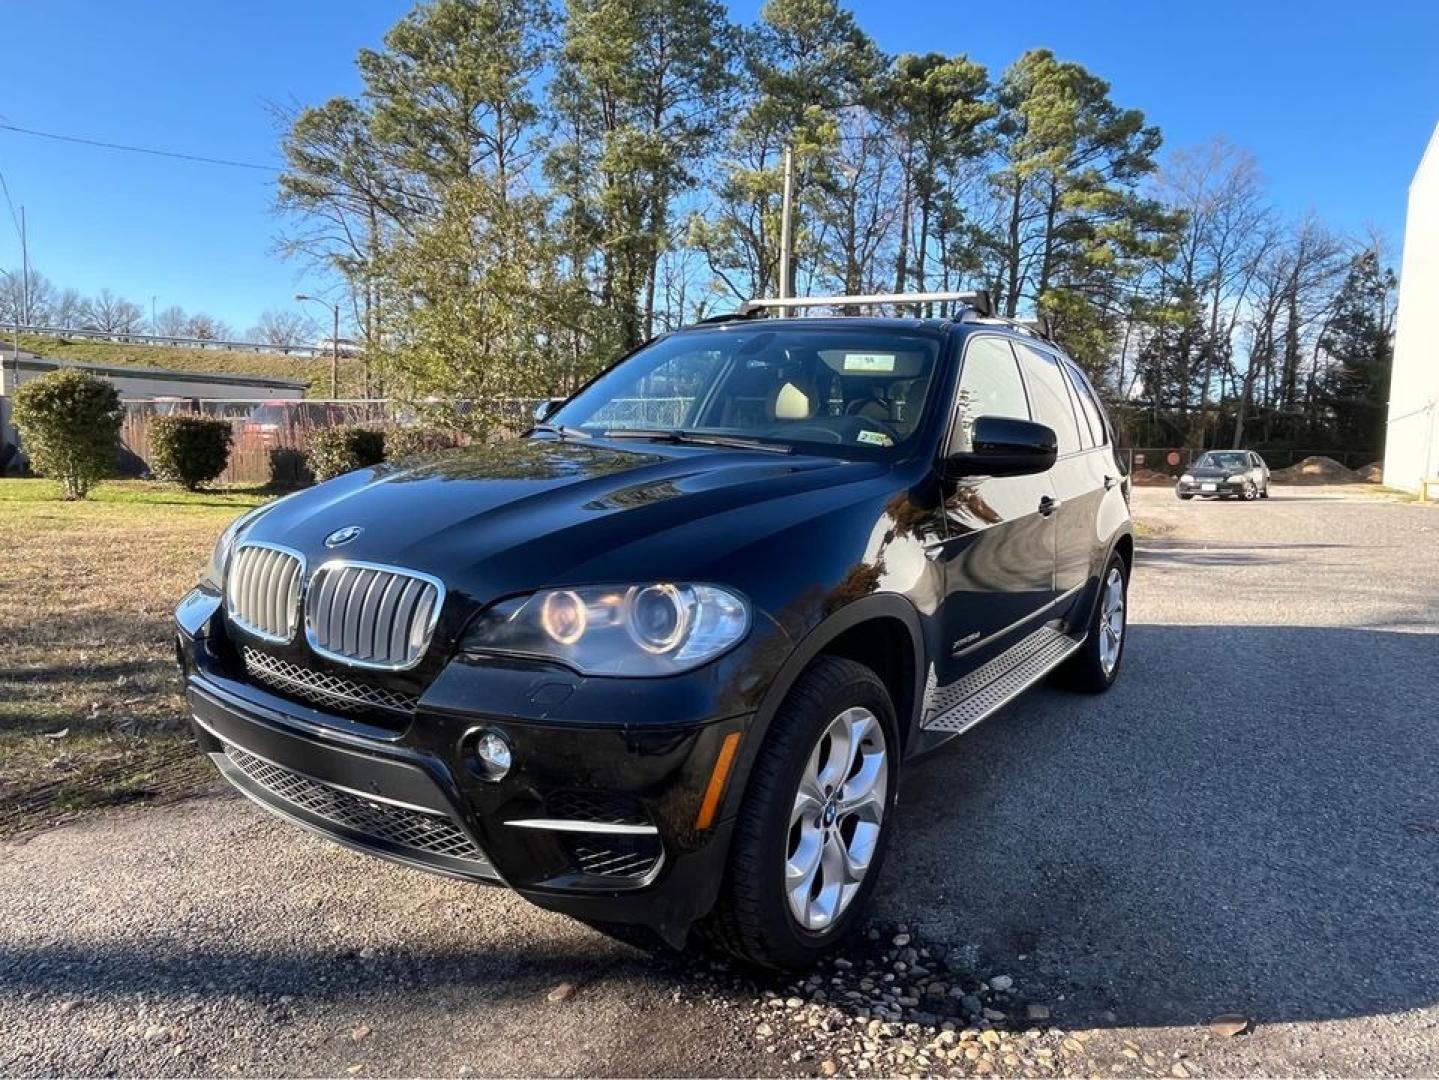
(1247, 823)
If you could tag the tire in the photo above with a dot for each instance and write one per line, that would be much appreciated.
(1186, 498)
(1250, 492)
(1264, 492)
(1095, 664)
(755, 918)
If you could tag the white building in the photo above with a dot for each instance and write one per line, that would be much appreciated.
(1411, 443)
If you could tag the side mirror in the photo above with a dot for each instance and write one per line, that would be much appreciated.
(1004, 446)
(547, 408)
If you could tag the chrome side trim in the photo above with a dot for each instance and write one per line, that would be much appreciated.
(567, 825)
(1036, 613)
(378, 607)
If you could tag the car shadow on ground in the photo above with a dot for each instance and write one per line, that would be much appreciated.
(1161, 551)
(1247, 821)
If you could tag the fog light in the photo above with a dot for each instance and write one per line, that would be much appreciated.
(493, 752)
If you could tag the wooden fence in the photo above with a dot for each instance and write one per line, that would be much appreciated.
(257, 458)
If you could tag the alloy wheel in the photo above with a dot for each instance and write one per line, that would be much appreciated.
(1111, 620)
(836, 820)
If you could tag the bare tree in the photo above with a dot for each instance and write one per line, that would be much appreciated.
(68, 311)
(113, 314)
(278, 327)
(37, 307)
(207, 328)
(172, 322)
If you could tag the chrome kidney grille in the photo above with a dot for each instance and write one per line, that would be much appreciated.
(371, 616)
(262, 592)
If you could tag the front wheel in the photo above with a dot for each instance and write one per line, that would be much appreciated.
(1250, 492)
(1095, 664)
(1184, 495)
(814, 823)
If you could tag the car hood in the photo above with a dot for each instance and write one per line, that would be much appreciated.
(516, 516)
(1213, 472)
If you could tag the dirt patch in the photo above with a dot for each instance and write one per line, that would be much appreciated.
(1373, 473)
(1316, 470)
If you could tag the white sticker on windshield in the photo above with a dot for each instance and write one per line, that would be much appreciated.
(874, 438)
(868, 361)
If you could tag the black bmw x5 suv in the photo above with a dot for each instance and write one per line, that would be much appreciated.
(661, 661)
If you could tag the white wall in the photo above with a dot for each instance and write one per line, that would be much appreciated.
(1411, 445)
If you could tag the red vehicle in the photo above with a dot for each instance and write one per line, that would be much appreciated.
(268, 419)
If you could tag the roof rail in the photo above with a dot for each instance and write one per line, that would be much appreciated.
(1038, 328)
(977, 300)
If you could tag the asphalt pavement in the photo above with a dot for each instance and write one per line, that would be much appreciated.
(1247, 823)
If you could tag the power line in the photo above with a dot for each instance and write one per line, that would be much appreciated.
(15, 221)
(140, 149)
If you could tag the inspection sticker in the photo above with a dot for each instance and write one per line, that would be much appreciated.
(868, 361)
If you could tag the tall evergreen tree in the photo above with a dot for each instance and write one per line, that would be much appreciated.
(637, 95)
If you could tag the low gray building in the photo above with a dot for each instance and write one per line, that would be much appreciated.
(140, 384)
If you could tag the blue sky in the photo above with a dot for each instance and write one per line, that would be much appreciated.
(1335, 100)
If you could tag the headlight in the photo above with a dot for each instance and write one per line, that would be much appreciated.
(658, 629)
(1237, 478)
(1186, 479)
(214, 572)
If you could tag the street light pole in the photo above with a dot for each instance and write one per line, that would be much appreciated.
(334, 343)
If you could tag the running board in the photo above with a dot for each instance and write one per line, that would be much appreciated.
(985, 690)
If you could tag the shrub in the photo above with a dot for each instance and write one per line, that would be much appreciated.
(69, 425)
(337, 450)
(190, 450)
(410, 441)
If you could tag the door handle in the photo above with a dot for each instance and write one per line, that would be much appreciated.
(1047, 506)
(1110, 481)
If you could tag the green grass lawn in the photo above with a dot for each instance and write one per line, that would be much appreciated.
(90, 708)
(313, 371)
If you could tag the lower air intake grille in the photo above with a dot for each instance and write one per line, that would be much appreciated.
(616, 856)
(429, 834)
(322, 688)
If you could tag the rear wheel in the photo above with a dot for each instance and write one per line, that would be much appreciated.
(814, 823)
(1095, 664)
(1264, 492)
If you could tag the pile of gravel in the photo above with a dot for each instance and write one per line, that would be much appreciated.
(891, 1004)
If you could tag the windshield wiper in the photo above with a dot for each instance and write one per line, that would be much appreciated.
(675, 435)
(562, 431)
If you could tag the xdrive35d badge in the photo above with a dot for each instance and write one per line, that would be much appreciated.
(663, 660)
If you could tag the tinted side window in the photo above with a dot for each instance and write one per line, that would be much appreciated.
(989, 385)
(1049, 396)
(1088, 404)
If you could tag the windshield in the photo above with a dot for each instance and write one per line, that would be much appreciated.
(858, 390)
(1222, 461)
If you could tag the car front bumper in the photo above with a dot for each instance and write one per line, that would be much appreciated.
(1210, 488)
(600, 819)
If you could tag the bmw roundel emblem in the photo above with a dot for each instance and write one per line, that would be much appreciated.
(343, 536)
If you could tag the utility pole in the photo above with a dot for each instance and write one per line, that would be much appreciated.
(24, 269)
(785, 241)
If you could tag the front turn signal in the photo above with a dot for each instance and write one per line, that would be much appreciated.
(714, 790)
